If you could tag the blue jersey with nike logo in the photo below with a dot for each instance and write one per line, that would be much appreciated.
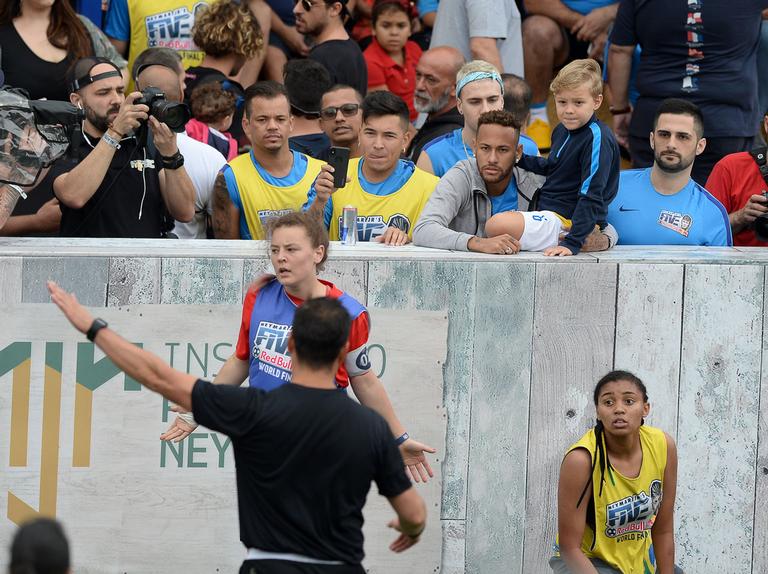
(643, 216)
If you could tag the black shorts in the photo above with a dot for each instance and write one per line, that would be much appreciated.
(288, 567)
(577, 50)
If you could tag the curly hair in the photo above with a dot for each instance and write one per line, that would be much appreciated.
(210, 102)
(225, 28)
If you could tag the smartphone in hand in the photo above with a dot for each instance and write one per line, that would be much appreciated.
(338, 158)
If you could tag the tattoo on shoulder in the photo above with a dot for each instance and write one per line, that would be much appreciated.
(8, 199)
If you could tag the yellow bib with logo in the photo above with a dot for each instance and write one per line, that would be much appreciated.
(625, 512)
(263, 201)
(164, 24)
(375, 213)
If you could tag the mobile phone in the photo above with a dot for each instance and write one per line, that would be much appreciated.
(338, 158)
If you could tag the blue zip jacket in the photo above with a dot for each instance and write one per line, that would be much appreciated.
(582, 177)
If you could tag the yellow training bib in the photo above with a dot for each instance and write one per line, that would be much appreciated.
(627, 509)
(262, 201)
(164, 24)
(375, 213)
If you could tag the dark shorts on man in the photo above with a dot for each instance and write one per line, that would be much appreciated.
(288, 567)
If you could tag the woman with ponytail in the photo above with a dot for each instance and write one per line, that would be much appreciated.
(616, 494)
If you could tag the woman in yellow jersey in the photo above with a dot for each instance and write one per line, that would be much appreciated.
(616, 494)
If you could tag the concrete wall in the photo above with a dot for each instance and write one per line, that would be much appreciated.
(528, 338)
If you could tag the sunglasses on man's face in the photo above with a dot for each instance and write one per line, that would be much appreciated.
(347, 110)
(306, 4)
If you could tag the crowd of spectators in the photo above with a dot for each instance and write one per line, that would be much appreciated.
(273, 85)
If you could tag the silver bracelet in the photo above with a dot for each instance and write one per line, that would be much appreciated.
(18, 190)
(112, 142)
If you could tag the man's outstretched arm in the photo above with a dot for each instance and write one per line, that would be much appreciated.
(141, 365)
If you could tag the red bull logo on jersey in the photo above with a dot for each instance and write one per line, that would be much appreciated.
(678, 222)
(270, 349)
(634, 513)
(172, 28)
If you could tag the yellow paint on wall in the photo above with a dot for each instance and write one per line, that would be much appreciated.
(81, 446)
(20, 414)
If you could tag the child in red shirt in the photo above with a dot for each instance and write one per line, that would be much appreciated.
(392, 57)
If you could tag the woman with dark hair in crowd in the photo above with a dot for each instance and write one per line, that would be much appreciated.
(39, 547)
(298, 249)
(39, 40)
(616, 495)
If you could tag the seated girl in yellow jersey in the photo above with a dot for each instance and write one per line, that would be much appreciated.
(388, 192)
(616, 495)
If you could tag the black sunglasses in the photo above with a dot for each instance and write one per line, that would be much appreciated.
(347, 110)
(306, 4)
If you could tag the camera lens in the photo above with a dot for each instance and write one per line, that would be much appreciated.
(174, 115)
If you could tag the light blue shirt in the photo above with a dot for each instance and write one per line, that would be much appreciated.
(507, 201)
(447, 150)
(586, 6)
(643, 216)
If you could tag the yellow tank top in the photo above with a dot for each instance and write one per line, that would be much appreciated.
(625, 512)
(262, 201)
(165, 24)
(375, 213)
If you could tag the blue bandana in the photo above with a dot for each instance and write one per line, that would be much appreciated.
(474, 76)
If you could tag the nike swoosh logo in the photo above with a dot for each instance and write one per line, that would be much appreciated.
(622, 208)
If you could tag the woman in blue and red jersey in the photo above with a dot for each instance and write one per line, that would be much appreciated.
(298, 248)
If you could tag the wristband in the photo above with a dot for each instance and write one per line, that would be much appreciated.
(402, 438)
(174, 161)
(619, 111)
(18, 190)
(110, 141)
(96, 326)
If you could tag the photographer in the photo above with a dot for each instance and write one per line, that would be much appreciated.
(739, 182)
(119, 185)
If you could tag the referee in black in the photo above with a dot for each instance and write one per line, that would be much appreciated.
(305, 453)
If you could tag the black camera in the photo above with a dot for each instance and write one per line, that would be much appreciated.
(760, 225)
(174, 115)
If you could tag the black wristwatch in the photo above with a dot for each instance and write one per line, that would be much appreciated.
(174, 161)
(96, 326)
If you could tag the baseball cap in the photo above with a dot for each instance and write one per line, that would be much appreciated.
(79, 75)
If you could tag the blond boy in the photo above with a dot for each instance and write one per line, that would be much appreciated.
(582, 170)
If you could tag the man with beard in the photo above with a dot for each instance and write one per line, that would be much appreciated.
(479, 89)
(662, 205)
(323, 22)
(119, 186)
(435, 95)
(270, 180)
(341, 117)
(475, 189)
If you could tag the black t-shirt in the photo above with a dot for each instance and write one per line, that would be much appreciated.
(344, 61)
(310, 144)
(24, 69)
(128, 202)
(704, 52)
(432, 129)
(305, 460)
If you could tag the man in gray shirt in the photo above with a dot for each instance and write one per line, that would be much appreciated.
(474, 189)
(487, 30)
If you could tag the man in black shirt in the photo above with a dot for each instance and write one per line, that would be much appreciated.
(436, 95)
(323, 21)
(305, 453)
(118, 186)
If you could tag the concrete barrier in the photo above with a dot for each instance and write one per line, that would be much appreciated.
(528, 338)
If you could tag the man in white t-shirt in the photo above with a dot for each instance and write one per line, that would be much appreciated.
(161, 68)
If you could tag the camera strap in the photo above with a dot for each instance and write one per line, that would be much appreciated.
(759, 155)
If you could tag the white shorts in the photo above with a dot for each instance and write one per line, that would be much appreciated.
(542, 230)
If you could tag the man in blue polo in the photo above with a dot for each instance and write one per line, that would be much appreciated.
(479, 89)
(662, 205)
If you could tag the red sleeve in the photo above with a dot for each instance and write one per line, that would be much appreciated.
(720, 184)
(359, 331)
(376, 76)
(243, 350)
